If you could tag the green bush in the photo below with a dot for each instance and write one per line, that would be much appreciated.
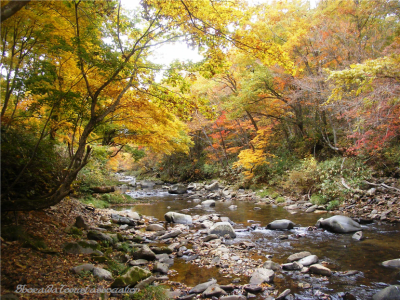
(317, 199)
(28, 170)
(280, 200)
(333, 205)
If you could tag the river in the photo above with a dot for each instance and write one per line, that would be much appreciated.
(340, 251)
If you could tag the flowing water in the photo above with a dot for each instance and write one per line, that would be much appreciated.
(340, 251)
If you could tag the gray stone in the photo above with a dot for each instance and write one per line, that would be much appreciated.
(161, 267)
(280, 224)
(99, 236)
(308, 260)
(174, 217)
(138, 262)
(253, 288)
(282, 295)
(80, 223)
(358, 236)
(222, 228)
(390, 293)
(393, 263)
(145, 282)
(133, 276)
(338, 224)
(271, 265)
(155, 227)
(81, 268)
(233, 297)
(298, 256)
(202, 287)
(262, 275)
(232, 207)
(292, 266)
(102, 274)
(172, 234)
(311, 209)
(178, 189)
(210, 237)
(212, 187)
(213, 291)
(320, 270)
(144, 253)
(208, 203)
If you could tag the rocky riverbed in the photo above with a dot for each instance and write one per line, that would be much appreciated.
(244, 269)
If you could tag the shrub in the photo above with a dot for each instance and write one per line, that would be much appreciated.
(151, 293)
(280, 200)
(333, 205)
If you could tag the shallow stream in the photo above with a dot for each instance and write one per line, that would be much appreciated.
(340, 251)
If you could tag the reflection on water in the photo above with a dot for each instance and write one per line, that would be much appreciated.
(340, 251)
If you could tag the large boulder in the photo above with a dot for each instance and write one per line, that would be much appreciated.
(280, 224)
(262, 275)
(132, 277)
(222, 228)
(80, 223)
(102, 274)
(339, 224)
(178, 189)
(390, 293)
(174, 217)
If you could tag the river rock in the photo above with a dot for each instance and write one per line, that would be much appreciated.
(280, 224)
(283, 295)
(208, 203)
(292, 266)
(202, 287)
(271, 265)
(358, 236)
(210, 237)
(102, 274)
(233, 297)
(311, 209)
(81, 268)
(212, 187)
(222, 228)
(213, 291)
(232, 207)
(138, 262)
(390, 293)
(178, 189)
(320, 269)
(161, 267)
(144, 253)
(253, 288)
(207, 224)
(262, 275)
(393, 263)
(174, 217)
(298, 256)
(133, 276)
(339, 224)
(155, 227)
(172, 234)
(80, 223)
(99, 236)
(308, 260)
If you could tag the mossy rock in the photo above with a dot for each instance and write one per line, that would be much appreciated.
(99, 236)
(132, 277)
(99, 259)
(137, 239)
(280, 200)
(81, 247)
(274, 195)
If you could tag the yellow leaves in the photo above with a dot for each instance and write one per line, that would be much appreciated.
(255, 156)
